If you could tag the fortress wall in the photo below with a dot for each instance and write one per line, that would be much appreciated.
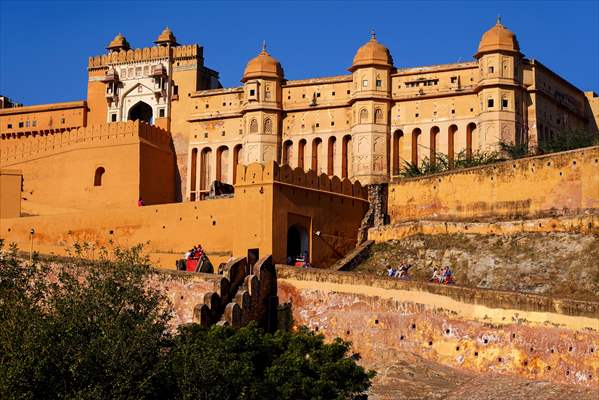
(59, 168)
(225, 227)
(481, 330)
(330, 206)
(550, 185)
(585, 224)
(10, 195)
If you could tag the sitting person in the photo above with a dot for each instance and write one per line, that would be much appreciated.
(436, 276)
(390, 271)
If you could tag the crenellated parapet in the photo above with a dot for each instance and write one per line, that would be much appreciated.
(145, 54)
(256, 174)
(21, 147)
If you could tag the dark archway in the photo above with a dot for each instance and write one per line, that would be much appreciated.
(298, 243)
(98, 176)
(141, 111)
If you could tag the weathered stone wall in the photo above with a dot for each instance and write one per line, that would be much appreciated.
(480, 330)
(564, 183)
(585, 224)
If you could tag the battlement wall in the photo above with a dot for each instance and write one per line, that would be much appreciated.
(19, 148)
(565, 183)
(145, 54)
(256, 174)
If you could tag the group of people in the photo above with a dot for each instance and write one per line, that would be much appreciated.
(443, 276)
(195, 253)
(401, 272)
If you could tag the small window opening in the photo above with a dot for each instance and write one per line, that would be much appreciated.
(491, 70)
(504, 103)
(98, 176)
(112, 117)
(161, 113)
(490, 103)
(379, 83)
(252, 92)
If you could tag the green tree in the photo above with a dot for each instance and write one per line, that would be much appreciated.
(99, 332)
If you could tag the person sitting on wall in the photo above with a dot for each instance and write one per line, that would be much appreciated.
(140, 202)
(447, 277)
(187, 255)
(436, 276)
(390, 271)
(300, 261)
(403, 271)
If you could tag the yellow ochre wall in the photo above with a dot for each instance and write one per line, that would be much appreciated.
(556, 184)
(39, 118)
(59, 168)
(225, 227)
(10, 193)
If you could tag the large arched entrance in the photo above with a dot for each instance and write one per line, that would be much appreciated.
(298, 244)
(141, 111)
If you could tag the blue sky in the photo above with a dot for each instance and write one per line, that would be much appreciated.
(44, 46)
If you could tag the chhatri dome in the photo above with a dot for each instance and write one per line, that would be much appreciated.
(118, 43)
(263, 66)
(372, 53)
(498, 38)
(166, 37)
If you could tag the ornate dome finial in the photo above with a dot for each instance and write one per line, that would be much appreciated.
(498, 22)
(264, 46)
(372, 34)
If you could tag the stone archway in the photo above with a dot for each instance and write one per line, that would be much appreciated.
(141, 111)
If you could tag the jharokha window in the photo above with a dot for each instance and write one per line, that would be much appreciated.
(98, 176)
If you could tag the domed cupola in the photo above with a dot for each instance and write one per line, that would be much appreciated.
(372, 54)
(166, 38)
(118, 43)
(498, 38)
(263, 66)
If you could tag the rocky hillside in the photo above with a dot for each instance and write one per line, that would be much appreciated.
(557, 264)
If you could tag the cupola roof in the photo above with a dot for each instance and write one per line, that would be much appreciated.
(262, 66)
(118, 43)
(166, 37)
(372, 53)
(498, 38)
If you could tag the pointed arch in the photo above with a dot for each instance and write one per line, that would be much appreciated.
(378, 116)
(301, 149)
(434, 141)
(345, 156)
(415, 137)
(237, 157)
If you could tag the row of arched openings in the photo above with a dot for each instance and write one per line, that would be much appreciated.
(317, 162)
(207, 171)
(419, 147)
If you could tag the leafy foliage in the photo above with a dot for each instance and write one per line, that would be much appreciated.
(99, 332)
(442, 163)
(569, 140)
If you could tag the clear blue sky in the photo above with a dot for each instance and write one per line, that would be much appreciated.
(44, 46)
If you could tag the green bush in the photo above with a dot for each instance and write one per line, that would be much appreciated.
(99, 332)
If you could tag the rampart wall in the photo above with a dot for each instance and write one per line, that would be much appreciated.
(564, 183)
(481, 330)
(584, 224)
(226, 227)
(59, 168)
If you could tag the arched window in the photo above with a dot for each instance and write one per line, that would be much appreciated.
(363, 116)
(98, 176)
(253, 126)
(141, 111)
(300, 153)
(237, 158)
(267, 126)
(378, 116)
(287, 152)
